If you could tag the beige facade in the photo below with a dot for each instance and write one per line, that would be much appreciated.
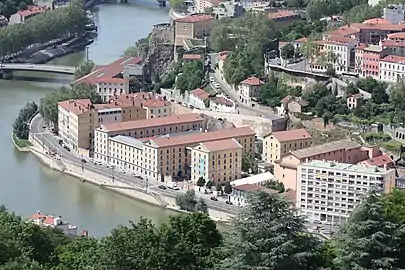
(278, 144)
(146, 128)
(217, 161)
(158, 108)
(195, 26)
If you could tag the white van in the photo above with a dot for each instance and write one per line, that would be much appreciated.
(172, 185)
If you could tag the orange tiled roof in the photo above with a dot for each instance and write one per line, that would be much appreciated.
(400, 35)
(153, 122)
(290, 135)
(252, 81)
(31, 10)
(221, 100)
(393, 59)
(192, 56)
(376, 21)
(190, 139)
(379, 161)
(201, 94)
(195, 18)
(76, 106)
(221, 145)
(109, 73)
(393, 43)
(223, 55)
(282, 14)
(154, 103)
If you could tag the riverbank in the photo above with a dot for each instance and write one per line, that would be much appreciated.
(21, 144)
(133, 192)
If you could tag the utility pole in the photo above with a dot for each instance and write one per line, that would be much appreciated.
(87, 53)
(82, 164)
(146, 184)
(112, 174)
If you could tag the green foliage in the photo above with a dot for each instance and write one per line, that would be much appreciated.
(299, 29)
(397, 99)
(248, 37)
(249, 163)
(317, 9)
(287, 51)
(83, 253)
(191, 76)
(209, 184)
(48, 107)
(394, 206)
(60, 23)
(21, 125)
(368, 241)
(228, 188)
(275, 185)
(84, 69)
(378, 90)
(187, 201)
(201, 206)
(21, 143)
(8, 8)
(375, 137)
(135, 50)
(271, 236)
(393, 146)
(201, 182)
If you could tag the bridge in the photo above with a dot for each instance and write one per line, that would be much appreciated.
(7, 69)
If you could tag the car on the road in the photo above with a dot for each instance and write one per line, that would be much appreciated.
(84, 161)
(317, 222)
(214, 199)
(229, 202)
(161, 187)
(98, 163)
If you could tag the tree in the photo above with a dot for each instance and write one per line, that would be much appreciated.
(60, 23)
(287, 51)
(228, 188)
(275, 185)
(397, 99)
(48, 107)
(84, 69)
(271, 236)
(351, 89)
(249, 164)
(378, 90)
(394, 206)
(326, 117)
(209, 184)
(368, 240)
(21, 124)
(190, 77)
(201, 206)
(187, 201)
(201, 182)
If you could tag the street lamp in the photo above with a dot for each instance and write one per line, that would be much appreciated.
(82, 163)
(112, 174)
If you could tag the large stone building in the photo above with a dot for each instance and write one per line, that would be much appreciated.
(198, 26)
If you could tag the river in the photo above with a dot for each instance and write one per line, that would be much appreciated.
(25, 185)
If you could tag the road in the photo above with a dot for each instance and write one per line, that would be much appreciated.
(39, 131)
(261, 111)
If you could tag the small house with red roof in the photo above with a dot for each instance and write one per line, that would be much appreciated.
(222, 104)
(197, 98)
(293, 105)
(21, 15)
(249, 89)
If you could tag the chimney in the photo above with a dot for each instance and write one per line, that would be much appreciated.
(38, 212)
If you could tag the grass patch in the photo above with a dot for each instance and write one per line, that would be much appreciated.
(21, 142)
(393, 146)
(209, 89)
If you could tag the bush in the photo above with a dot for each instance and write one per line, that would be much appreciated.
(21, 127)
(374, 136)
(392, 146)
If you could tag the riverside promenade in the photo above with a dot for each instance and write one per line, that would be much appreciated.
(131, 190)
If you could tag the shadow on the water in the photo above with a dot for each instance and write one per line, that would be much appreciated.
(47, 80)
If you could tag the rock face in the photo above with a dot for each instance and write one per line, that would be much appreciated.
(159, 54)
(213, 124)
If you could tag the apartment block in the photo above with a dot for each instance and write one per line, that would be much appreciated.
(143, 129)
(346, 151)
(217, 161)
(329, 190)
(280, 143)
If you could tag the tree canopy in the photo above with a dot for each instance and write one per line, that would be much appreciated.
(21, 124)
(7, 8)
(190, 76)
(48, 107)
(59, 23)
(84, 69)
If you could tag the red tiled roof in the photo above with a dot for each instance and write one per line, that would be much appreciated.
(199, 93)
(361, 46)
(189, 139)
(393, 43)
(252, 81)
(221, 145)
(340, 39)
(393, 59)
(109, 73)
(31, 10)
(344, 31)
(282, 14)
(301, 40)
(290, 135)
(153, 103)
(192, 56)
(153, 122)
(376, 21)
(222, 101)
(380, 161)
(286, 99)
(195, 18)
(396, 36)
(76, 106)
(223, 55)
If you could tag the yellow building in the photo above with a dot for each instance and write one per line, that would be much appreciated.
(195, 26)
(217, 161)
(277, 144)
(155, 158)
(143, 129)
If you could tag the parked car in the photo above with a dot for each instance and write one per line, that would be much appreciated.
(84, 161)
(214, 199)
(162, 187)
(229, 202)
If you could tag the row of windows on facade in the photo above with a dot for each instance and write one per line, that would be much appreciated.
(141, 132)
(351, 182)
(109, 90)
(343, 211)
(230, 178)
(342, 174)
(202, 167)
(219, 155)
(289, 145)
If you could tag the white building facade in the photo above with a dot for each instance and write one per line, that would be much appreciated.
(249, 89)
(392, 68)
(329, 191)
